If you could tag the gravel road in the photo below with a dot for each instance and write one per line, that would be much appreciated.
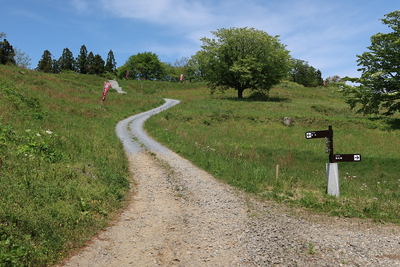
(180, 215)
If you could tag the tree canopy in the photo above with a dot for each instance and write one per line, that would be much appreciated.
(304, 74)
(379, 89)
(243, 58)
(145, 66)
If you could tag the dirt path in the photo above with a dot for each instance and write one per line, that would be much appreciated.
(167, 224)
(180, 215)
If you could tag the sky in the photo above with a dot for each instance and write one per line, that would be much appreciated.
(327, 34)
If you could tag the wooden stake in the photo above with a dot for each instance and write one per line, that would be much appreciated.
(277, 171)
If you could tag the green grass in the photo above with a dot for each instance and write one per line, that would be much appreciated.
(63, 171)
(242, 141)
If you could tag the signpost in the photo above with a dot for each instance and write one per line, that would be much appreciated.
(347, 158)
(332, 171)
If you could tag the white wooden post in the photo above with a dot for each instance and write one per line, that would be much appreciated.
(332, 176)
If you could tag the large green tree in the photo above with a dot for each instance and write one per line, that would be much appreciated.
(145, 66)
(243, 58)
(379, 85)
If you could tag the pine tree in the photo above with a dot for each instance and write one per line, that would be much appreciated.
(98, 66)
(81, 60)
(56, 66)
(6, 53)
(111, 65)
(67, 61)
(46, 63)
(90, 63)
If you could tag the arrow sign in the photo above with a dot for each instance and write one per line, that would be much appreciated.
(347, 158)
(317, 134)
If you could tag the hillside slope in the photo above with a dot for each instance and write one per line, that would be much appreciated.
(63, 172)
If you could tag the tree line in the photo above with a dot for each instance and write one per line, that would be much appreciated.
(85, 63)
(146, 65)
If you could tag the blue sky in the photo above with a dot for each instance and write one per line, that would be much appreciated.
(327, 34)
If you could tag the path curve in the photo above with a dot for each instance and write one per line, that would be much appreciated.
(134, 138)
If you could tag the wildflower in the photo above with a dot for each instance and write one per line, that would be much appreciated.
(49, 132)
(27, 130)
(38, 134)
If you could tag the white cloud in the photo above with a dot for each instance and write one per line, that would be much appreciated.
(176, 13)
(80, 5)
(324, 33)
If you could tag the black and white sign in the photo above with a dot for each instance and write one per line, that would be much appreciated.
(347, 157)
(317, 134)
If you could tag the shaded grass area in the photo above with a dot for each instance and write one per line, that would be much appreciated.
(242, 141)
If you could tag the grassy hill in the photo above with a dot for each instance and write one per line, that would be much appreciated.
(63, 172)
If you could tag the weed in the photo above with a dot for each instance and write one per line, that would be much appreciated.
(311, 249)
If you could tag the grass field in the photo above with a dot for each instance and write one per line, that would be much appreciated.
(242, 141)
(63, 172)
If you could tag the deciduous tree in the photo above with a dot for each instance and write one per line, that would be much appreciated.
(304, 74)
(243, 58)
(145, 66)
(21, 58)
(379, 89)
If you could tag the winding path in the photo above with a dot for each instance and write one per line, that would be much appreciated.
(180, 215)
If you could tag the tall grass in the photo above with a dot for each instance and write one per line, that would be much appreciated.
(242, 141)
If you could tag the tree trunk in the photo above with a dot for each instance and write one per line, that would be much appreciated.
(240, 93)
